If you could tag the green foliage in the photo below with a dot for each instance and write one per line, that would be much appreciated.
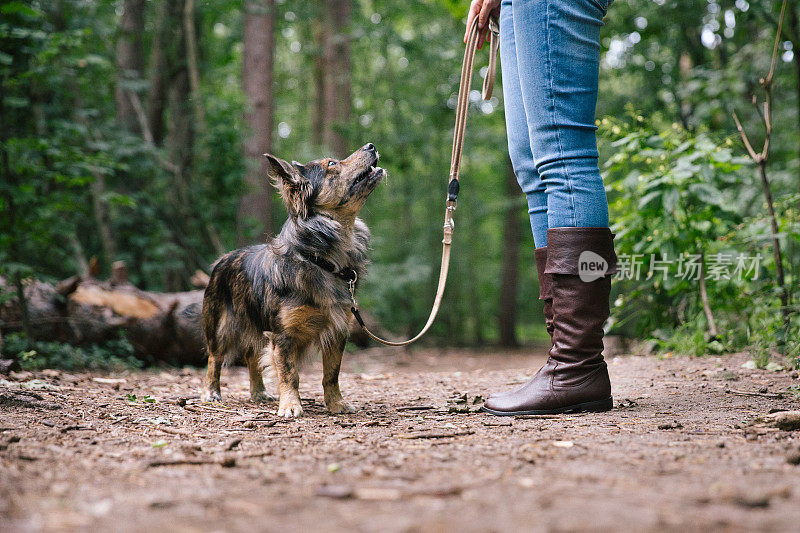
(676, 194)
(112, 355)
(672, 196)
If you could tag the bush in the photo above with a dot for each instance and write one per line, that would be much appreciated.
(676, 199)
(112, 355)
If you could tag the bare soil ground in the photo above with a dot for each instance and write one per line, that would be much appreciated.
(680, 451)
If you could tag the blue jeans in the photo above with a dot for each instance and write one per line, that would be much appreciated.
(550, 56)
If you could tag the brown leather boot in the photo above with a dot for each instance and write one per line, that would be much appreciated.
(546, 295)
(575, 377)
(545, 289)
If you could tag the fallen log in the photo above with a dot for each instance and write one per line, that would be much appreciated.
(83, 310)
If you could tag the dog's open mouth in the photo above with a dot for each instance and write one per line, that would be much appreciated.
(370, 172)
(368, 178)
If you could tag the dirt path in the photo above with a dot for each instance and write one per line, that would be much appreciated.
(678, 452)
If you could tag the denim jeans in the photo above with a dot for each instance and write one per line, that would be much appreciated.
(550, 56)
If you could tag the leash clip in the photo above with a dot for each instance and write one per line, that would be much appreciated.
(449, 223)
(351, 284)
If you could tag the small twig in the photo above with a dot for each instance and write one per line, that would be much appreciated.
(254, 455)
(772, 395)
(209, 408)
(76, 428)
(416, 408)
(174, 431)
(766, 81)
(226, 462)
(746, 141)
(433, 435)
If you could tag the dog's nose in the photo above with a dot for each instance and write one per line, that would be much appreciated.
(369, 147)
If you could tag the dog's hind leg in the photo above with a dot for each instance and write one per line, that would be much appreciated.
(258, 393)
(331, 363)
(211, 392)
(286, 360)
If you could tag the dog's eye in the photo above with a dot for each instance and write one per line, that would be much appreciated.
(331, 164)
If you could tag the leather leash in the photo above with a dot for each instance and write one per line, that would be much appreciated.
(455, 167)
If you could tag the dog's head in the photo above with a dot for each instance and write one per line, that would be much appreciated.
(336, 187)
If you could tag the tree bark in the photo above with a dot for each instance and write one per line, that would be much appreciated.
(130, 61)
(319, 29)
(338, 69)
(257, 65)
(159, 75)
(507, 313)
(10, 177)
(180, 136)
(189, 21)
(102, 216)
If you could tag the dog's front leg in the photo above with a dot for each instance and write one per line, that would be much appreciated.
(286, 359)
(331, 363)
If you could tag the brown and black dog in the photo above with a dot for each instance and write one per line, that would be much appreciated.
(271, 303)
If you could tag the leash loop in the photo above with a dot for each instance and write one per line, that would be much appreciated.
(455, 167)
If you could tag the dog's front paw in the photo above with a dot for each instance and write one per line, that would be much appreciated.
(261, 397)
(211, 396)
(290, 408)
(340, 407)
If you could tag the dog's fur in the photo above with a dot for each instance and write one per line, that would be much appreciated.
(271, 303)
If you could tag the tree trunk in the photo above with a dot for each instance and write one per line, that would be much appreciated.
(319, 29)
(130, 61)
(102, 216)
(336, 86)
(12, 180)
(257, 65)
(180, 136)
(159, 75)
(507, 314)
(189, 21)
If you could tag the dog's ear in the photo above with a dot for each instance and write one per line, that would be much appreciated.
(291, 182)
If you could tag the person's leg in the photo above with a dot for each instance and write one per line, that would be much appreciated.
(557, 55)
(519, 142)
(519, 150)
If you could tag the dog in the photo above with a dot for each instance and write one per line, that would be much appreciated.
(272, 303)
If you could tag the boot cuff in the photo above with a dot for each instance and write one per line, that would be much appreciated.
(545, 287)
(574, 250)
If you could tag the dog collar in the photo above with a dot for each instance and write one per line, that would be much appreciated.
(347, 274)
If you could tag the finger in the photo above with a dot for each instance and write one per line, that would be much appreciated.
(474, 10)
(483, 17)
(482, 36)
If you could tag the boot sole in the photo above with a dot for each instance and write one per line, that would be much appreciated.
(597, 406)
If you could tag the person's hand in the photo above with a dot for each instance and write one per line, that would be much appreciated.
(482, 9)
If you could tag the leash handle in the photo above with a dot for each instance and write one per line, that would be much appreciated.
(455, 166)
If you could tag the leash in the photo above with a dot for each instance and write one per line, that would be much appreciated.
(455, 168)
